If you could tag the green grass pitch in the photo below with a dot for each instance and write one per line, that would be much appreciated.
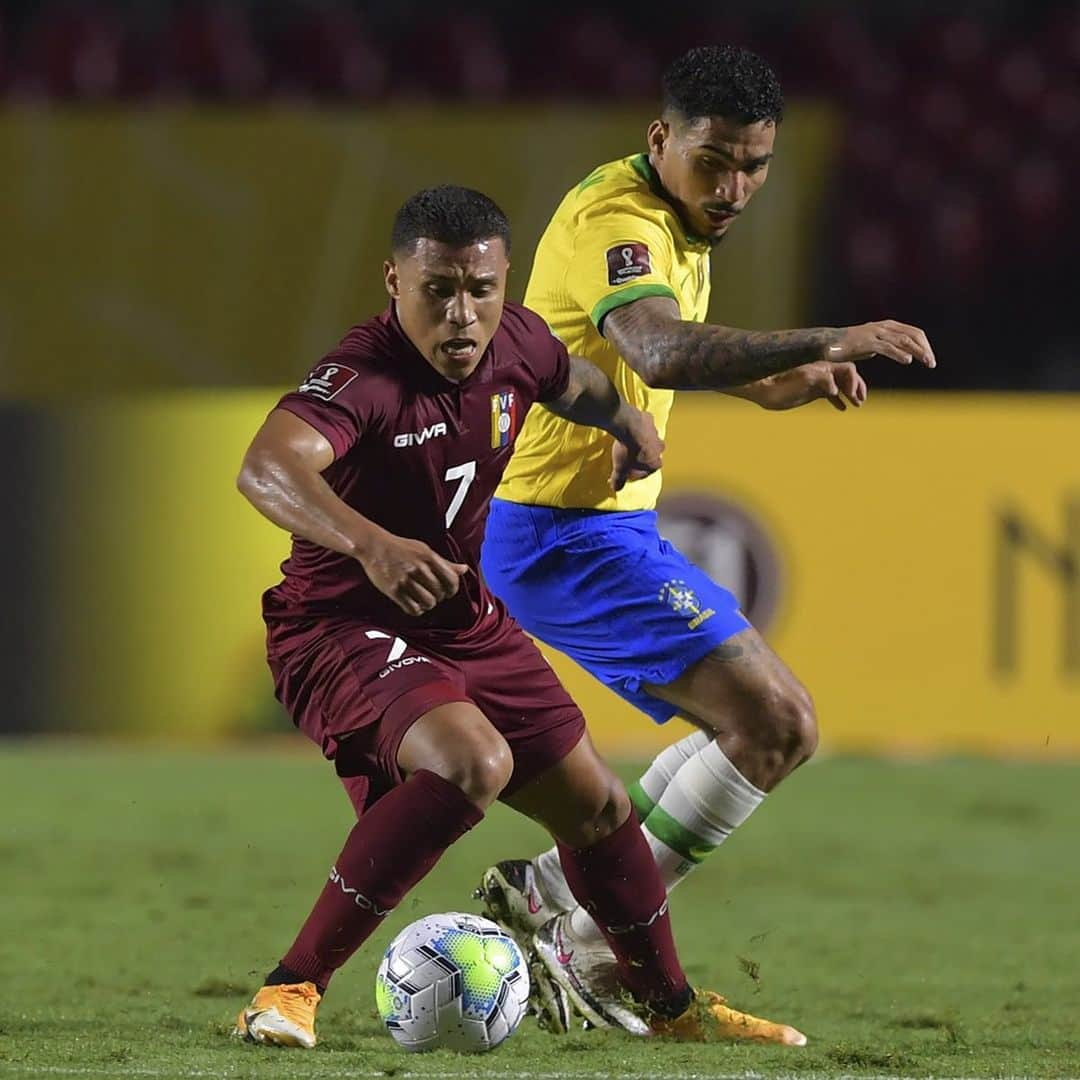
(914, 919)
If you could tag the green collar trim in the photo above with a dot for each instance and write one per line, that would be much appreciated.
(641, 164)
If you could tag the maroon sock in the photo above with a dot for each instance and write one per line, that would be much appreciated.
(617, 882)
(389, 850)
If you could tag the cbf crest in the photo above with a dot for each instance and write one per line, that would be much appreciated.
(684, 601)
(504, 418)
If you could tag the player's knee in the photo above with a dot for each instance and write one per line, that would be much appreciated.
(602, 811)
(614, 811)
(780, 732)
(794, 726)
(808, 728)
(482, 767)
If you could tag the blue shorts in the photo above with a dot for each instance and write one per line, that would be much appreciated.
(607, 590)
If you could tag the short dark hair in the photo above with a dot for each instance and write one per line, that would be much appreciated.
(725, 81)
(450, 214)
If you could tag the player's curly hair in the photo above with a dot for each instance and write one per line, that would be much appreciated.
(450, 214)
(725, 81)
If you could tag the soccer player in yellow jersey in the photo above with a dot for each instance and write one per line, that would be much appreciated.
(622, 277)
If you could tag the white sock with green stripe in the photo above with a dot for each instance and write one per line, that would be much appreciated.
(552, 882)
(697, 810)
(689, 801)
(646, 792)
(705, 801)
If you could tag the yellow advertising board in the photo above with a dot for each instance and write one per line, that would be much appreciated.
(917, 564)
(166, 247)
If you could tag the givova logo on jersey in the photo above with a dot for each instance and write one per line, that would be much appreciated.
(503, 418)
(418, 438)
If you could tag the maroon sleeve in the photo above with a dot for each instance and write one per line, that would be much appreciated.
(332, 399)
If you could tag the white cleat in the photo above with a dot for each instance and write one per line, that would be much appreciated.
(568, 972)
(513, 899)
(564, 968)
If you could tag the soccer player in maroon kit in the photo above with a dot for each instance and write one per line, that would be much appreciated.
(387, 648)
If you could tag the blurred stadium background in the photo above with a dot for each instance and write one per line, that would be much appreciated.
(195, 204)
(195, 201)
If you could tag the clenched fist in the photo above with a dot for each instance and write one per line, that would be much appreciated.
(410, 573)
(638, 450)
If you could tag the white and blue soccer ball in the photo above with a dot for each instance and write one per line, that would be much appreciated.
(452, 982)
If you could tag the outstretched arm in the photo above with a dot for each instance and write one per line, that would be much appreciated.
(592, 400)
(668, 351)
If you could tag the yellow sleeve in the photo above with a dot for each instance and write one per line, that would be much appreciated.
(619, 256)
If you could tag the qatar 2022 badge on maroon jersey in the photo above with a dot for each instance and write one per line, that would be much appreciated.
(328, 380)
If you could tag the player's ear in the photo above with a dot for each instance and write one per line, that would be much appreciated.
(657, 135)
(390, 276)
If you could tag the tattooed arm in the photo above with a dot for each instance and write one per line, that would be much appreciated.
(668, 351)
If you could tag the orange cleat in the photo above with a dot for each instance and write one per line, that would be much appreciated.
(709, 1018)
(281, 1016)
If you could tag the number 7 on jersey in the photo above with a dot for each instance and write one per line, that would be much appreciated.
(465, 475)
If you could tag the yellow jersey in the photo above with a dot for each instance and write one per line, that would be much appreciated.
(614, 239)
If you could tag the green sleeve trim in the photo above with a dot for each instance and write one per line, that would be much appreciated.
(615, 300)
(677, 836)
(640, 800)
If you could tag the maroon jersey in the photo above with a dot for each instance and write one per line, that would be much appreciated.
(416, 453)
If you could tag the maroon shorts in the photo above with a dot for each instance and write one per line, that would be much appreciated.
(354, 688)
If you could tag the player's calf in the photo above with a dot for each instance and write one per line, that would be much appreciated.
(580, 801)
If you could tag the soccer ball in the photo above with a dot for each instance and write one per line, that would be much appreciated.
(453, 981)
